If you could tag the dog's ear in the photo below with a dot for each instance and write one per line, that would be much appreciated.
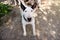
(34, 6)
(23, 7)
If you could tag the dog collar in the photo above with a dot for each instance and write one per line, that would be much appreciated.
(24, 18)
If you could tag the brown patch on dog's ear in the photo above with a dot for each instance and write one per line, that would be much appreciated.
(34, 6)
(23, 7)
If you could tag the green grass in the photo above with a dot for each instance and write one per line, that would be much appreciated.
(5, 9)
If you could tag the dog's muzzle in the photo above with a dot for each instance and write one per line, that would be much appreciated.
(29, 19)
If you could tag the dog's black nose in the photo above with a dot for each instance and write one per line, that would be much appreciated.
(29, 19)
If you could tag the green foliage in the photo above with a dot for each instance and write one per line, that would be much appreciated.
(4, 9)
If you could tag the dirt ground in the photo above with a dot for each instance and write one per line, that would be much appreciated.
(47, 25)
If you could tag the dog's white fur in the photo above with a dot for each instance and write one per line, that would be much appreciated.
(28, 12)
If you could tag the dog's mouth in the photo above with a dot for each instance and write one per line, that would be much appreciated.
(29, 19)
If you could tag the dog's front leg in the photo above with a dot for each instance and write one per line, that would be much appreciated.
(24, 30)
(33, 27)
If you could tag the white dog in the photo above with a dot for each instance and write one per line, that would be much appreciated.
(27, 16)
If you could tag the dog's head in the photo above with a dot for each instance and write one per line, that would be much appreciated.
(28, 11)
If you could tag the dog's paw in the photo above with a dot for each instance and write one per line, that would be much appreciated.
(24, 34)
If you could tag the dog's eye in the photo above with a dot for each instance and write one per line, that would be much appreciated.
(25, 11)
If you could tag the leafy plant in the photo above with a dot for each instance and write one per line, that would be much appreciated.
(5, 9)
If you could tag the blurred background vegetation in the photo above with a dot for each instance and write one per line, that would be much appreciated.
(5, 10)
